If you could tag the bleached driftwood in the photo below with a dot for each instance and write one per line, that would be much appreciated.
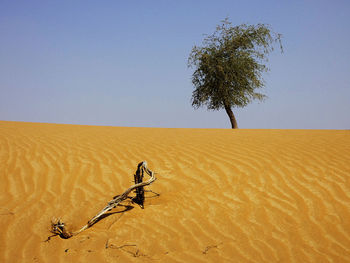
(58, 227)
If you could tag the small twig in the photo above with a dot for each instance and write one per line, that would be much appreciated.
(49, 238)
(120, 247)
(206, 250)
(6, 213)
(135, 254)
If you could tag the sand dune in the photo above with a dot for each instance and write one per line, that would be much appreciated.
(225, 196)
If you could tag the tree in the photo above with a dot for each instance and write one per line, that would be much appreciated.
(229, 66)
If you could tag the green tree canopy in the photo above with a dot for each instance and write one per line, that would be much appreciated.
(229, 66)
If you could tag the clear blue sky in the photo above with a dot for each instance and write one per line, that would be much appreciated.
(124, 63)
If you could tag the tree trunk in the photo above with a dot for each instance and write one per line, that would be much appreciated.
(231, 116)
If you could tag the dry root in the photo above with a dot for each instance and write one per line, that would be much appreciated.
(58, 227)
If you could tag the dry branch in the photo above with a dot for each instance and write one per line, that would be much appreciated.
(58, 227)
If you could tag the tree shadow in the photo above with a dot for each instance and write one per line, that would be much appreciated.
(152, 195)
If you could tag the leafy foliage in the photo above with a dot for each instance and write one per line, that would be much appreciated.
(229, 65)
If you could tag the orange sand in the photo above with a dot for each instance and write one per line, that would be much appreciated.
(225, 195)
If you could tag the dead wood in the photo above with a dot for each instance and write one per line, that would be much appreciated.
(58, 227)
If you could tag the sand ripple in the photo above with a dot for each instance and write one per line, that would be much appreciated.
(225, 196)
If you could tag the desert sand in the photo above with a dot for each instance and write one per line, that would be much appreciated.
(224, 195)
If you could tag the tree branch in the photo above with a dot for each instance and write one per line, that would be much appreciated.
(58, 227)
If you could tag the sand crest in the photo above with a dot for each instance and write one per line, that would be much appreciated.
(225, 196)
